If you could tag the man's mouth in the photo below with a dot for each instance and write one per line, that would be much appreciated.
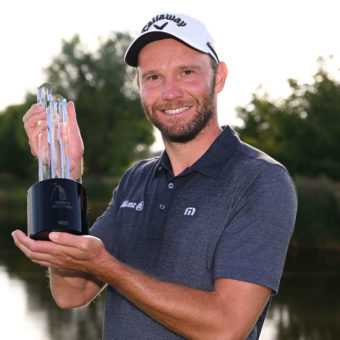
(176, 111)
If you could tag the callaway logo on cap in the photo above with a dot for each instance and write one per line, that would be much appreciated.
(170, 25)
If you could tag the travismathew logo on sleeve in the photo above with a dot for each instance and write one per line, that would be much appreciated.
(133, 205)
(169, 17)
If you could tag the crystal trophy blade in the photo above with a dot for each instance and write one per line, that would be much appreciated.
(56, 202)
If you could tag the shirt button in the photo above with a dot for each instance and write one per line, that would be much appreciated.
(171, 185)
(162, 206)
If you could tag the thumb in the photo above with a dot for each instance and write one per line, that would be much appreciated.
(63, 238)
(72, 117)
(71, 112)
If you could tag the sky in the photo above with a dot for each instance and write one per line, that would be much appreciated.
(263, 42)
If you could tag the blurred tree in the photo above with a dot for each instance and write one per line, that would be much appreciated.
(112, 122)
(15, 157)
(302, 130)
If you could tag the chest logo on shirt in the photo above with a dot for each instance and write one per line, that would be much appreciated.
(190, 211)
(133, 205)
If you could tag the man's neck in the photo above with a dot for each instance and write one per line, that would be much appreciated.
(183, 155)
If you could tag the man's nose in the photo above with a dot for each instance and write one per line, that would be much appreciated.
(171, 90)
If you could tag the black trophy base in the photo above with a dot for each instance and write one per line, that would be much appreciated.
(56, 204)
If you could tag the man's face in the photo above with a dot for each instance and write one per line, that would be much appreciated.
(177, 86)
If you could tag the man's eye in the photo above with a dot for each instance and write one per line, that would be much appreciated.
(153, 77)
(188, 72)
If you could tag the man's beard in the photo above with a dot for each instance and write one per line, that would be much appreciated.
(181, 132)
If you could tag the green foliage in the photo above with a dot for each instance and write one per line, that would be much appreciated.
(318, 217)
(302, 130)
(15, 156)
(112, 123)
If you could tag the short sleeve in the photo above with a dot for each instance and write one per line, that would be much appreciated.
(254, 243)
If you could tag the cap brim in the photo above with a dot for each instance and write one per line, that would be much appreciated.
(131, 56)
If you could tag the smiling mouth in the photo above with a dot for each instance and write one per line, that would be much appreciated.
(175, 111)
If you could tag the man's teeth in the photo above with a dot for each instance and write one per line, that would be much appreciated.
(179, 110)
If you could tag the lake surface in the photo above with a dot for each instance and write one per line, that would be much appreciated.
(307, 307)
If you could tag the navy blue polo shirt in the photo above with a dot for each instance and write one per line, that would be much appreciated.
(230, 215)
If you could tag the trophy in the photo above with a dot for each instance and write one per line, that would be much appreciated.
(56, 202)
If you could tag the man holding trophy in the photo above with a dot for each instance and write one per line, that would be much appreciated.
(193, 242)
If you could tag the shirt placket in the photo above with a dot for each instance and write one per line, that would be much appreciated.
(162, 203)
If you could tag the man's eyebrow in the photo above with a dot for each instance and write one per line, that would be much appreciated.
(181, 68)
(190, 67)
(148, 73)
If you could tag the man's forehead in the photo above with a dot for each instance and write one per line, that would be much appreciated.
(170, 47)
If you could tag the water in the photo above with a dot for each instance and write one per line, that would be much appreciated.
(307, 307)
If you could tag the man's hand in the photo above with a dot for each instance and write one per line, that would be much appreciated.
(35, 124)
(65, 252)
(70, 259)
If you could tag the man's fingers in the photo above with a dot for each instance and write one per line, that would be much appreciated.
(28, 244)
(35, 124)
(39, 252)
(44, 253)
(35, 108)
(31, 122)
(34, 134)
(33, 115)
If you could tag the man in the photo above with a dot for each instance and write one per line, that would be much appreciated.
(193, 243)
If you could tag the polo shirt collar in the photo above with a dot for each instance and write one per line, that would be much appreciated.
(213, 161)
(163, 163)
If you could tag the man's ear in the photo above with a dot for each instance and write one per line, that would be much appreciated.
(221, 76)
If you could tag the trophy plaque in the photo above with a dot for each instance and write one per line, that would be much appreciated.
(55, 202)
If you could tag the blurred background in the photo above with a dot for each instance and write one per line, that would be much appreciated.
(282, 96)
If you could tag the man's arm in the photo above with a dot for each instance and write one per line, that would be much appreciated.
(70, 288)
(228, 312)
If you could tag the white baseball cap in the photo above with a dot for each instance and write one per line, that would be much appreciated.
(186, 29)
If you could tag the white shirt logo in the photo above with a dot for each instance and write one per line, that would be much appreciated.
(140, 206)
(133, 205)
(190, 211)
